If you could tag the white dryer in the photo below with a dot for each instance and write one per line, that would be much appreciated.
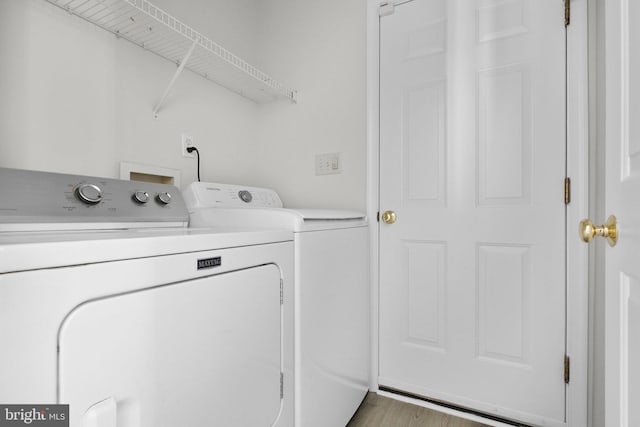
(332, 345)
(110, 304)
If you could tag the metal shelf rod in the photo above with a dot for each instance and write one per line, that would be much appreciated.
(175, 77)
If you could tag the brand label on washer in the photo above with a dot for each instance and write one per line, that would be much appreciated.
(209, 262)
(34, 415)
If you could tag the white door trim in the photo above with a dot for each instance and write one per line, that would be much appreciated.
(373, 172)
(578, 171)
(577, 252)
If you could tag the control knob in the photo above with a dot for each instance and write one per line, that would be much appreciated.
(163, 198)
(89, 193)
(245, 196)
(141, 196)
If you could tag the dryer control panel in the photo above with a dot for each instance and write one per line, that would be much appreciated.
(34, 200)
(215, 195)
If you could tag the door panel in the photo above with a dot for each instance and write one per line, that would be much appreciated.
(193, 353)
(622, 287)
(472, 159)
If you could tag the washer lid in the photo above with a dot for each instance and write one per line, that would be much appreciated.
(328, 214)
(297, 220)
(226, 205)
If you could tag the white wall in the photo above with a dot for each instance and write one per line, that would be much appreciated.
(77, 100)
(232, 24)
(57, 107)
(318, 48)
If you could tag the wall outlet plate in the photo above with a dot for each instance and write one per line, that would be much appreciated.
(186, 142)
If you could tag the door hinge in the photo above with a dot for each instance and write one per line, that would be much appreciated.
(386, 8)
(567, 190)
(281, 385)
(378, 216)
(567, 12)
(567, 369)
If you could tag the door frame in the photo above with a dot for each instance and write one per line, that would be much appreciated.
(577, 299)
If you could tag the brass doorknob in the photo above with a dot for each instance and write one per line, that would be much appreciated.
(609, 230)
(389, 217)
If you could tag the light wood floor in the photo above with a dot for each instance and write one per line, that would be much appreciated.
(378, 411)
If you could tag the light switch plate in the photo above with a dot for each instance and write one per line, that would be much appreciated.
(328, 164)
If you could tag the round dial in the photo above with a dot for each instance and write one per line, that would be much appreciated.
(89, 193)
(141, 196)
(245, 196)
(164, 198)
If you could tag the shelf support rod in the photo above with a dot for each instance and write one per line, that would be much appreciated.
(173, 80)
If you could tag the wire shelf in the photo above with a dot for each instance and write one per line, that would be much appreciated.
(153, 29)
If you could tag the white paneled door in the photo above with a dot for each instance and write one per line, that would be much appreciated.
(473, 163)
(622, 286)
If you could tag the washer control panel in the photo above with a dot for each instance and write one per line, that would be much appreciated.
(210, 194)
(44, 197)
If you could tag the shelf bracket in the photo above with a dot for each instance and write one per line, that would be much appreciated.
(173, 80)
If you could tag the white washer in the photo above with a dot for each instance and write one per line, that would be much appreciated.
(331, 293)
(110, 304)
